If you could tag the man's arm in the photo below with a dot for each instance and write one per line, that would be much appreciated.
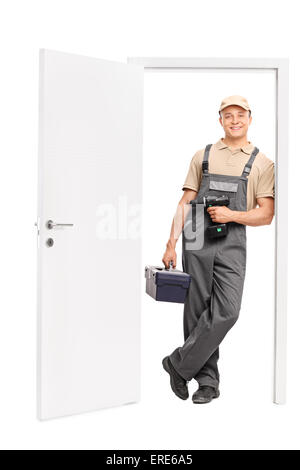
(177, 226)
(262, 215)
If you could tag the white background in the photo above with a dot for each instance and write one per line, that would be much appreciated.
(244, 415)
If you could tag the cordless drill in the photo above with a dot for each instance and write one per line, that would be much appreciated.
(215, 230)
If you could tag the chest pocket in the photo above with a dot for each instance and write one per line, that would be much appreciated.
(229, 189)
(223, 186)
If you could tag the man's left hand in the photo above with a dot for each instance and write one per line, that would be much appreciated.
(220, 214)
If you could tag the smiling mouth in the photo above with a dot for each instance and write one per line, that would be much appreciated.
(235, 128)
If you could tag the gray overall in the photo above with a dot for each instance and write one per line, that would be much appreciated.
(217, 272)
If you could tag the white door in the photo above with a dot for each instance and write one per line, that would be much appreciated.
(89, 272)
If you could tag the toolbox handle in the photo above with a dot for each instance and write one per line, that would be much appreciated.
(170, 267)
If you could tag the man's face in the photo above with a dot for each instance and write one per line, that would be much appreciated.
(235, 121)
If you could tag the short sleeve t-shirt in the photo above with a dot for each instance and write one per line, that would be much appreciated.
(226, 161)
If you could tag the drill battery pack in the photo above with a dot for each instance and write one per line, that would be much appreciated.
(216, 231)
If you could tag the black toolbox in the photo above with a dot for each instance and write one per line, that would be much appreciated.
(167, 285)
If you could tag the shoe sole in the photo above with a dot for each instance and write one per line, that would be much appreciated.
(200, 402)
(167, 369)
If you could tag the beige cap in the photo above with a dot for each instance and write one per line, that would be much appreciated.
(235, 99)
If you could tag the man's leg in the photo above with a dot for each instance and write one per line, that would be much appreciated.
(209, 373)
(218, 317)
(200, 266)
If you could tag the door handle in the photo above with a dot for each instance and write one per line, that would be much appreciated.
(50, 224)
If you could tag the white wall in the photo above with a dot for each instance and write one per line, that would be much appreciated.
(243, 416)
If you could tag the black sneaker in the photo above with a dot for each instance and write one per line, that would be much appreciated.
(205, 394)
(178, 383)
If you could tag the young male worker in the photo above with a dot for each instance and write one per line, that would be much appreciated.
(235, 168)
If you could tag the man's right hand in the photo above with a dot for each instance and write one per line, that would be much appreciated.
(169, 255)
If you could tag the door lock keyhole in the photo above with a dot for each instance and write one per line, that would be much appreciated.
(50, 242)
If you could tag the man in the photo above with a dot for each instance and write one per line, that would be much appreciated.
(235, 169)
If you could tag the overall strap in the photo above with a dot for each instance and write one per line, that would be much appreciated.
(248, 166)
(205, 159)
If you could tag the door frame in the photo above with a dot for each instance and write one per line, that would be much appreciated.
(281, 68)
